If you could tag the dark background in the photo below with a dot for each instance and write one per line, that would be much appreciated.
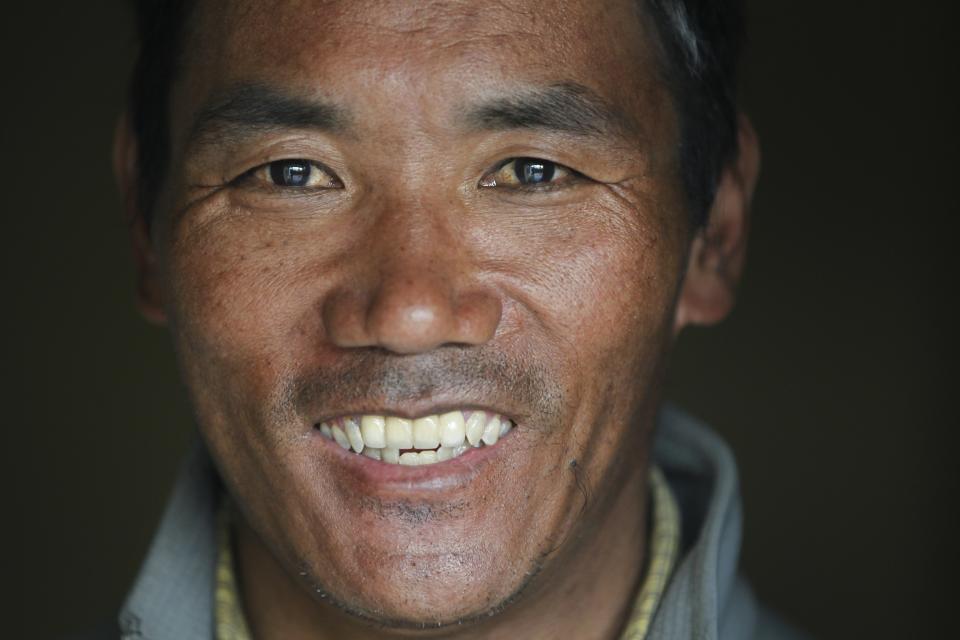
(831, 380)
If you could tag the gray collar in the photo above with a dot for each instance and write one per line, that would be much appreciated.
(172, 596)
(706, 598)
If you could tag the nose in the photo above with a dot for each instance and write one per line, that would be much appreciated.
(413, 293)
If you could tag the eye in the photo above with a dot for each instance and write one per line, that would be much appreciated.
(527, 172)
(297, 174)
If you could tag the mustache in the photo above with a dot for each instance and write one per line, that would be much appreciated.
(479, 375)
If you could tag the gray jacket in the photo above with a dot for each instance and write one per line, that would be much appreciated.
(172, 597)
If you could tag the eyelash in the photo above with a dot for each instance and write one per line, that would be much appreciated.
(267, 182)
(553, 183)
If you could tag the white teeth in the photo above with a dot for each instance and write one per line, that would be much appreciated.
(340, 437)
(353, 434)
(491, 433)
(425, 433)
(372, 429)
(475, 426)
(452, 429)
(438, 438)
(399, 433)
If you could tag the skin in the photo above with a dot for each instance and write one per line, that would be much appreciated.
(412, 290)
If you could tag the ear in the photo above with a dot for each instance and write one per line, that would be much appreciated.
(149, 298)
(719, 248)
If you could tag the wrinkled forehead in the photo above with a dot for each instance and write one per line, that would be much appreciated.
(358, 49)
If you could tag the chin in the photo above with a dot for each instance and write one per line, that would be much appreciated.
(425, 593)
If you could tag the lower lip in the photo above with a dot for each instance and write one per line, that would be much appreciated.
(380, 477)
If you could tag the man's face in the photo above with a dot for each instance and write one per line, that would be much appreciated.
(413, 261)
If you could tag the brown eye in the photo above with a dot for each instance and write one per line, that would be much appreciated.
(526, 172)
(298, 174)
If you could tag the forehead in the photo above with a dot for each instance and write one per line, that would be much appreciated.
(424, 48)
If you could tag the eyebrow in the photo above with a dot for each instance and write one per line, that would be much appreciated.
(255, 109)
(568, 107)
(251, 109)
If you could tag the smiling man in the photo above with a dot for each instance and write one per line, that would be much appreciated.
(422, 264)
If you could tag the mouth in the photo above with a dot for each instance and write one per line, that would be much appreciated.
(421, 441)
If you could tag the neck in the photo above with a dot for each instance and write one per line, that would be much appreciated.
(598, 571)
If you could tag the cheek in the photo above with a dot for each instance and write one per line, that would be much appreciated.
(228, 283)
(235, 311)
(602, 282)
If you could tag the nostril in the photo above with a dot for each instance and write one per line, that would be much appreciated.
(478, 317)
(344, 318)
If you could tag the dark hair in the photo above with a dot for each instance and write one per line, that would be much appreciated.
(161, 27)
(700, 42)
